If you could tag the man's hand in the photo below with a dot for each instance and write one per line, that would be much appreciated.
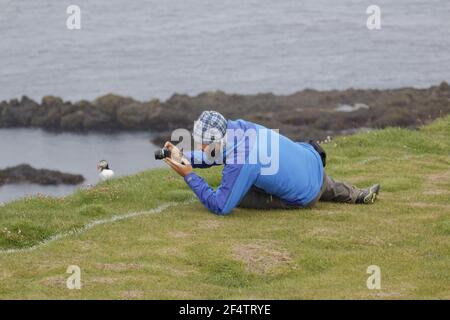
(182, 169)
(169, 145)
(175, 153)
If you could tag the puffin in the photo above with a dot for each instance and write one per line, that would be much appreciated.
(105, 172)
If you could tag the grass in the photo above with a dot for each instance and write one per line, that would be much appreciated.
(186, 252)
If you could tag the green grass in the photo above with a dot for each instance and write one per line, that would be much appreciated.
(186, 252)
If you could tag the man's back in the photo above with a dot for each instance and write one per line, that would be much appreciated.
(300, 171)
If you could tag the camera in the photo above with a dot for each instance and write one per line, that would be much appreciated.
(162, 153)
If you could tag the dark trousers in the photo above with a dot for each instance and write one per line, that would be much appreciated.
(331, 190)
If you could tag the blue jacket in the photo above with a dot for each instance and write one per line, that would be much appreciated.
(295, 176)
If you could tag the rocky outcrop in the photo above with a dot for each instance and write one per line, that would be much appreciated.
(302, 115)
(26, 174)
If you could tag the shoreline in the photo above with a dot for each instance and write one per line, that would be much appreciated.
(306, 114)
(25, 174)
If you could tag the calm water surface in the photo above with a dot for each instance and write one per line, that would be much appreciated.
(127, 153)
(154, 48)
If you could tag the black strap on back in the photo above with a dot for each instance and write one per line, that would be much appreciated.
(320, 151)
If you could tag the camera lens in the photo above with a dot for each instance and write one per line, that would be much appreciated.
(166, 152)
(162, 153)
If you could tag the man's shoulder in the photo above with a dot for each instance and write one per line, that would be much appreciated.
(243, 124)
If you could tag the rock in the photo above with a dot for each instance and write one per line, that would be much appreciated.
(84, 115)
(7, 118)
(305, 114)
(73, 121)
(444, 86)
(110, 103)
(26, 174)
(49, 114)
(96, 119)
(133, 115)
(25, 111)
(48, 119)
(51, 101)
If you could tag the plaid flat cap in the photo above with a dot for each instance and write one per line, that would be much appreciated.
(211, 126)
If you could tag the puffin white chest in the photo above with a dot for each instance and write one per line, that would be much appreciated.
(106, 174)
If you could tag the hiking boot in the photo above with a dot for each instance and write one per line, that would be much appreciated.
(368, 195)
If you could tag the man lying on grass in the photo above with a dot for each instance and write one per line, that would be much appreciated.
(295, 179)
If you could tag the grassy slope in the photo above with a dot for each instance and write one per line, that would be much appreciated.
(186, 252)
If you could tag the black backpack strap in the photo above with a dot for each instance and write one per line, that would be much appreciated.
(320, 151)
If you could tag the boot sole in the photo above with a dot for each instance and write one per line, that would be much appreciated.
(372, 196)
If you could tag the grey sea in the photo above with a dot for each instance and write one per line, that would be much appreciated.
(152, 49)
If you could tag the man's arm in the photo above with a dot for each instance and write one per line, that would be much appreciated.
(236, 181)
(198, 159)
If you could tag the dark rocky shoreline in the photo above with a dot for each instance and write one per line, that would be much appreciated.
(303, 115)
(26, 174)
